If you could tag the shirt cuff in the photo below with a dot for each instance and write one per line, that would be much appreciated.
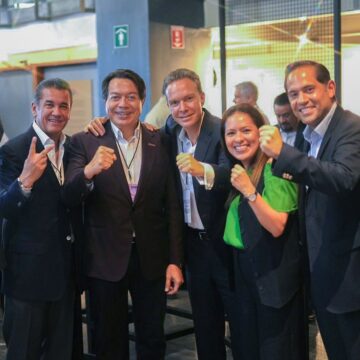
(208, 178)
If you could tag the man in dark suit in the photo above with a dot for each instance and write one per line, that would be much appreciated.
(329, 174)
(38, 282)
(132, 222)
(203, 182)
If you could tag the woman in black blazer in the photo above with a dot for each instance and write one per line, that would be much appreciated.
(262, 229)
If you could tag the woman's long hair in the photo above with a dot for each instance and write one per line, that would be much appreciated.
(260, 158)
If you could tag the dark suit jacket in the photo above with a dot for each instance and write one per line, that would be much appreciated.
(275, 262)
(331, 207)
(210, 204)
(299, 139)
(36, 230)
(110, 216)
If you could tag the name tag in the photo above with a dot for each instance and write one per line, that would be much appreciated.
(133, 190)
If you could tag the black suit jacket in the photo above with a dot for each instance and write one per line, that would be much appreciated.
(299, 139)
(210, 204)
(331, 208)
(36, 229)
(110, 216)
(275, 262)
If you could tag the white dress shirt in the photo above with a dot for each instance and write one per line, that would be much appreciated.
(130, 154)
(288, 137)
(192, 217)
(57, 163)
(315, 136)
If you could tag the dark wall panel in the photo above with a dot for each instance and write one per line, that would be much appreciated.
(15, 101)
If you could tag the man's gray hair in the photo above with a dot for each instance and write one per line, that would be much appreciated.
(248, 88)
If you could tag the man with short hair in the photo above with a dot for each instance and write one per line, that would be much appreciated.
(38, 278)
(329, 174)
(203, 176)
(290, 128)
(132, 222)
(203, 182)
(246, 92)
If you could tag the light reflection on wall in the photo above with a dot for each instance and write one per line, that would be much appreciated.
(351, 78)
(259, 52)
(71, 38)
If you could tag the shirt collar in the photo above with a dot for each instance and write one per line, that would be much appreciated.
(182, 136)
(44, 138)
(320, 130)
(119, 134)
(287, 132)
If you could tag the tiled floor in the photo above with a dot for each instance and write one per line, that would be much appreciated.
(183, 348)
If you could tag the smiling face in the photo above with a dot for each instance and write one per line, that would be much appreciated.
(185, 102)
(123, 104)
(310, 100)
(52, 112)
(242, 138)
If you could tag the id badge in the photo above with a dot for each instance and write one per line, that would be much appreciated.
(187, 206)
(133, 190)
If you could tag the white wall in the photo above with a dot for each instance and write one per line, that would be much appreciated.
(67, 32)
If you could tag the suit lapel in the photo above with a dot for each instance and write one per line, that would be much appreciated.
(203, 141)
(149, 149)
(171, 131)
(66, 152)
(333, 123)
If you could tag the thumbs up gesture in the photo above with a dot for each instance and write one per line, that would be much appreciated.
(34, 165)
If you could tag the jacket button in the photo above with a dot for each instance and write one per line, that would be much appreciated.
(68, 238)
(19, 204)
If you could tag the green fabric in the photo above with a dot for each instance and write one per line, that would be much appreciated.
(280, 194)
(232, 234)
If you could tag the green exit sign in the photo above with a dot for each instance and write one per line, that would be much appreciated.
(121, 36)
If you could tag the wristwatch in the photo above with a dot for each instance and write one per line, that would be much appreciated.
(251, 197)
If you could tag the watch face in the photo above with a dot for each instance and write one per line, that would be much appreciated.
(252, 197)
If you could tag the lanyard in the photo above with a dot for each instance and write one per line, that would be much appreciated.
(128, 166)
(59, 172)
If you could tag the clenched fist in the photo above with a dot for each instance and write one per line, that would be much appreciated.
(240, 180)
(188, 164)
(270, 141)
(102, 160)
